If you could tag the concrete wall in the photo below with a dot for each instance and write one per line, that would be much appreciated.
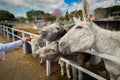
(100, 13)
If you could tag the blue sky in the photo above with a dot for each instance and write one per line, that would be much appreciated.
(69, 2)
(20, 7)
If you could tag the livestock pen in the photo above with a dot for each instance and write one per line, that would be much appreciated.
(4, 30)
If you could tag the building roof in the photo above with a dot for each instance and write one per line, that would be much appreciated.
(116, 12)
(107, 20)
(57, 13)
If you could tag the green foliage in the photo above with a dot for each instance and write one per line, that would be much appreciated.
(75, 14)
(71, 16)
(38, 15)
(34, 15)
(6, 15)
(30, 15)
(21, 19)
(48, 17)
(61, 18)
(67, 15)
(112, 9)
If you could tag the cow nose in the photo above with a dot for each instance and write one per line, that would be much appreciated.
(43, 33)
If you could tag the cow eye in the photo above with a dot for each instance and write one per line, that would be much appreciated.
(80, 27)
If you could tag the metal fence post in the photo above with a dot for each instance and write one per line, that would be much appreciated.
(4, 30)
(48, 65)
(7, 33)
(1, 28)
(13, 37)
(24, 45)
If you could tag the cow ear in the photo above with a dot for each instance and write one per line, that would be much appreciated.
(86, 11)
(76, 20)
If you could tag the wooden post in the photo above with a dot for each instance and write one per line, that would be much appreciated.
(48, 65)
(24, 45)
(13, 37)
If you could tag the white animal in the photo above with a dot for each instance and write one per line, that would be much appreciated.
(52, 33)
(86, 34)
(37, 43)
(76, 59)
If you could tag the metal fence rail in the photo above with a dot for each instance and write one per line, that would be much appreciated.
(4, 30)
(83, 69)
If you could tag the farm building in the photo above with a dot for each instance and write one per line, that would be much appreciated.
(113, 25)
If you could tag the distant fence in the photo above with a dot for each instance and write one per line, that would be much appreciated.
(6, 32)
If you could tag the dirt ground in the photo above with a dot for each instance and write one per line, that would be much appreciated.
(18, 66)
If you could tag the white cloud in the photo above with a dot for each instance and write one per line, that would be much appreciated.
(45, 5)
(17, 6)
(102, 4)
(93, 5)
(38, 4)
(75, 6)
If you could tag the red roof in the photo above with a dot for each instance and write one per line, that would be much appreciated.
(57, 13)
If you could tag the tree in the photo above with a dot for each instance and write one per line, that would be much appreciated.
(75, 13)
(61, 18)
(39, 14)
(112, 9)
(107, 11)
(48, 17)
(34, 15)
(30, 15)
(21, 19)
(67, 15)
(6, 15)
